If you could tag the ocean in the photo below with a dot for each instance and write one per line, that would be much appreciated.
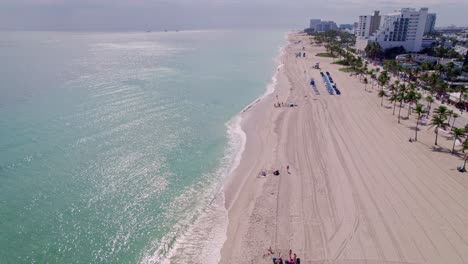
(114, 146)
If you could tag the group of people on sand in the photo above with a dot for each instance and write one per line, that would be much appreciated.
(293, 259)
(278, 104)
(275, 172)
(300, 54)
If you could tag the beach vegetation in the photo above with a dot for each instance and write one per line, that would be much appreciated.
(419, 110)
(437, 122)
(429, 101)
(342, 62)
(441, 111)
(465, 147)
(455, 116)
(449, 114)
(411, 97)
(383, 79)
(394, 99)
(326, 55)
(457, 133)
(374, 50)
(381, 94)
(400, 99)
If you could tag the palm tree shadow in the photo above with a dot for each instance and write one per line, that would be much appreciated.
(440, 149)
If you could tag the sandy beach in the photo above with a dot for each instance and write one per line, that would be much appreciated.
(357, 192)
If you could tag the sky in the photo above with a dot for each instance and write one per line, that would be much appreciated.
(130, 15)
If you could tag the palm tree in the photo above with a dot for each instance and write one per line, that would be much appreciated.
(437, 122)
(411, 97)
(373, 76)
(394, 99)
(457, 133)
(418, 110)
(382, 94)
(449, 113)
(401, 98)
(462, 90)
(429, 101)
(383, 79)
(441, 111)
(432, 81)
(455, 115)
(465, 147)
(392, 88)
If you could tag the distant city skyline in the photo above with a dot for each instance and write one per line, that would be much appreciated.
(125, 15)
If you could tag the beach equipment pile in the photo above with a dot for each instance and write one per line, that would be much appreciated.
(314, 87)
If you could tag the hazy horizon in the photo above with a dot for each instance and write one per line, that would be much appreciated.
(125, 15)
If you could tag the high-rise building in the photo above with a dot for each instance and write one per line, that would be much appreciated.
(368, 25)
(314, 22)
(317, 25)
(346, 27)
(404, 27)
(430, 23)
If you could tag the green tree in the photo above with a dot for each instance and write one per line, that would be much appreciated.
(383, 79)
(373, 50)
(441, 111)
(449, 114)
(429, 101)
(455, 116)
(465, 147)
(400, 98)
(394, 99)
(418, 110)
(457, 133)
(392, 88)
(437, 122)
(373, 76)
(382, 94)
(411, 97)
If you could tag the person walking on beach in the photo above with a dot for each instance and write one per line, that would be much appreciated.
(287, 169)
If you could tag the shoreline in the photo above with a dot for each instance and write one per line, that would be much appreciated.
(246, 114)
(233, 184)
(357, 191)
(211, 225)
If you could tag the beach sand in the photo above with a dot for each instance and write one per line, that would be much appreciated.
(358, 191)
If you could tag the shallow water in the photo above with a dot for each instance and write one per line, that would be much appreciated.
(113, 146)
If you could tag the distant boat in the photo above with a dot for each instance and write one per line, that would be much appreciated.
(148, 30)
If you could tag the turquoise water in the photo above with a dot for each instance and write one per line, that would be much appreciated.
(113, 145)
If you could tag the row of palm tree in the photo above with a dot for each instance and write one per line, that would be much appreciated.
(442, 118)
(406, 93)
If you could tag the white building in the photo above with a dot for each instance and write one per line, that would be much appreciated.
(430, 23)
(404, 27)
(461, 49)
(368, 25)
